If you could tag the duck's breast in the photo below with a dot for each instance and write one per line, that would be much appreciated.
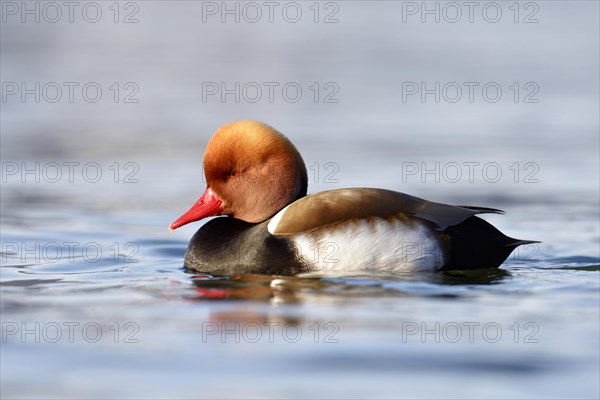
(391, 243)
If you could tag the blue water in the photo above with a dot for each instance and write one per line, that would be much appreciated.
(95, 302)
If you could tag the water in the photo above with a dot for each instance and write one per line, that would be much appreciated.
(94, 298)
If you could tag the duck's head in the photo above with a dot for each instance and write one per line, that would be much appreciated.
(252, 171)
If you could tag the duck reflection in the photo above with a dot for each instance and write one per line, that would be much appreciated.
(327, 287)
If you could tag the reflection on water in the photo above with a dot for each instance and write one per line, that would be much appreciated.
(295, 289)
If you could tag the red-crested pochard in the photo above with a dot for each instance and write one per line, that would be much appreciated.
(256, 176)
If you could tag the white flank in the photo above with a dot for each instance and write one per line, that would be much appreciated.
(360, 245)
(272, 225)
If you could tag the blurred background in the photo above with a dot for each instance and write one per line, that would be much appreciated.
(106, 109)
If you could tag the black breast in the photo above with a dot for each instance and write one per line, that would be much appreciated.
(228, 246)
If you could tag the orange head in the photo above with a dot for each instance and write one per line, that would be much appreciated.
(252, 171)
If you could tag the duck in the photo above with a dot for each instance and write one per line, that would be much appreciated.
(256, 180)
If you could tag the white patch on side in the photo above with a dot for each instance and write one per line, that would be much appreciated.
(359, 245)
(272, 225)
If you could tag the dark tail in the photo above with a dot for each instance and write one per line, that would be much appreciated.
(475, 243)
